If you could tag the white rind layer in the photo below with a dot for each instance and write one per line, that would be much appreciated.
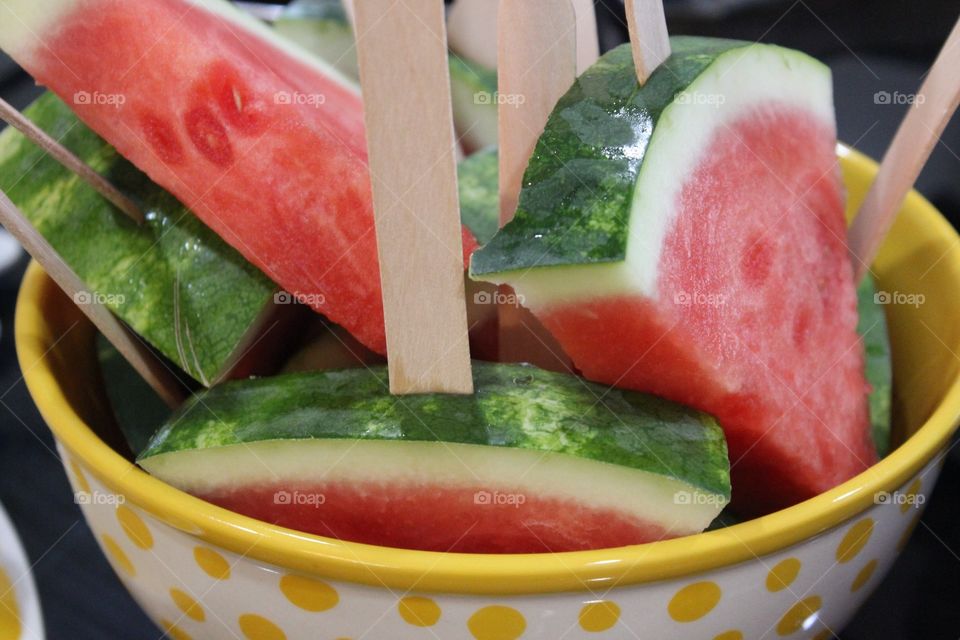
(676, 506)
(28, 24)
(741, 80)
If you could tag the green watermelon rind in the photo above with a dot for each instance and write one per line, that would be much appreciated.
(879, 367)
(514, 407)
(596, 197)
(478, 180)
(174, 281)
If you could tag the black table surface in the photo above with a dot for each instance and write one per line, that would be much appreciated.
(871, 47)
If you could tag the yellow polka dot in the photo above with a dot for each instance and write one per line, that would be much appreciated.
(309, 594)
(190, 607)
(599, 616)
(212, 563)
(905, 537)
(497, 622)
(911, 496)
(118, 556)
(694, 601)
(419, 611)
(864, 576)
(855, 540)
(792, 621)
(256, 627)
(135, 528)
(10, 626)
(783, 574)
(174, 631)
(78, 476)
(730, 635)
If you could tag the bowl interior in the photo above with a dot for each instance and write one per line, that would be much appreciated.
(919, 265)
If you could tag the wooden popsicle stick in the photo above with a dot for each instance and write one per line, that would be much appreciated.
(351, 13)
(537, 53)
(536, 50)
(137, 354)
(588, 40)
(472, 30)
(402, 51)
(65, 157)
(648, 36)
(912, 145)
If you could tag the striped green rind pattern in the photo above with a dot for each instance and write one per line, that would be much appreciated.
(175, 282)
(578, 188)
(513, 406)
(478, 177)
(876, 341)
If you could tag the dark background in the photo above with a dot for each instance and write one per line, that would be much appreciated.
(872, 46)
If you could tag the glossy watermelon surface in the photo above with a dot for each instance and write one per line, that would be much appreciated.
(734, 329)
(264, 143)
(687, 239)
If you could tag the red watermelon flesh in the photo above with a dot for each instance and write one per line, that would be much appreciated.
(755, 315)
(266, 146)
(439, 518)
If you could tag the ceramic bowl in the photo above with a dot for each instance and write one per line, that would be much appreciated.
(206, 573)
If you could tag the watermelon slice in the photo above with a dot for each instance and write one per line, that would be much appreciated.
(261, 141)
(177, 284)
(532, 462)
(687, 239)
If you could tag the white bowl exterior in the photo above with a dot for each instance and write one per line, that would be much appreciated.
(16, 567)
(745, 603)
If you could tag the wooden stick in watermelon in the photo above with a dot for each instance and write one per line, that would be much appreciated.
(649, 39)
(912, 145)
(63, 155)
(588, 41)
(133, 349)
(537, 64)
(402, 51)
(262, 141)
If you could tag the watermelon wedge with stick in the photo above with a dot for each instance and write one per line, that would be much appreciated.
(533, 461)
(687, 238)
(264, 143)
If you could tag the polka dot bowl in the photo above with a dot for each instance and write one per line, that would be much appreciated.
(202, 572)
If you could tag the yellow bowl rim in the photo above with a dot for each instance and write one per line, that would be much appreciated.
(405, 570)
